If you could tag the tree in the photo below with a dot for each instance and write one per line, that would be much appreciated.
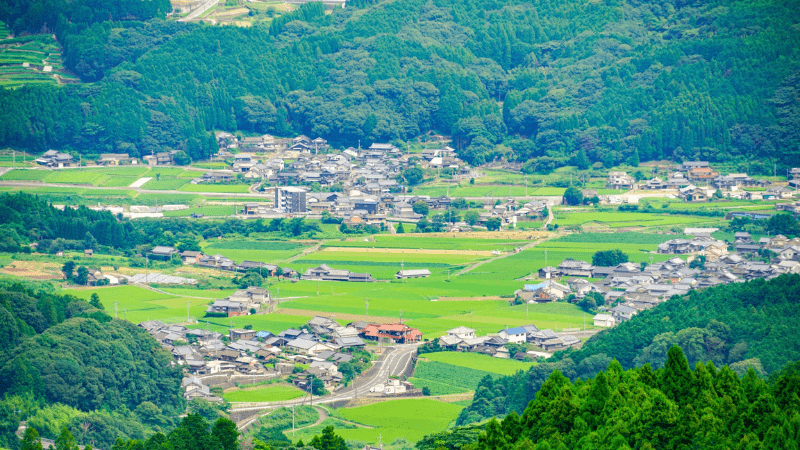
(609, 258)
(94, 300)
(420, 207)
(82, 276)
(782, 223)
(31, 440)
(472, 217)
(226, 433)
(698, 263)
(400, 229)
(493, 223)
(426, 391)
(328, 441)
(676, 377)
(67, 269)
(413, 176)
(182, 159)
(65, 441)
(573, 196)
(89, 241)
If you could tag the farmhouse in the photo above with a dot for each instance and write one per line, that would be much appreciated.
(462, 333)
(604, 320)
(54, 158)
(517, 335)
(419, 273)
(393, 332)
(620, 180)
(325, 273)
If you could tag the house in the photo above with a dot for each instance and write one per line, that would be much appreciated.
(622, 313)
(620, 180)
(462, 332)
(418, 273)
(604, 320)
(393, 332)
(163, 252)
(325, 273)
(227, 308)
(702, 174)
(307, 347)
(516, 335)
(654, 184)
(88, 253)
(54, 159)
(191, 257)
(689, 165)
(575, 268)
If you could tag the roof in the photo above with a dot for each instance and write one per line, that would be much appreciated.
(461, 330)
(515, 330)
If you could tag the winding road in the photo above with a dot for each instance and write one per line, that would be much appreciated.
(394, 361)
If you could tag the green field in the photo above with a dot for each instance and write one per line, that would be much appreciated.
(72, 176)
(221, 188)
(263, 251)
(165, 184)
(274, 393)
(444, 379)
(490, 191)
(415, 241)
(25, 175)
(479, 362)
(410, 419)
(617, 219)
(214, 210)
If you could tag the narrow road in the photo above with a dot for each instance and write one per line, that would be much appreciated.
(395, 360)
(139, 190)
(197, 12)
(550, 216)
(480, 263)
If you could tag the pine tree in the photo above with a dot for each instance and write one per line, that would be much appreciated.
(31, 440)
(676, 377)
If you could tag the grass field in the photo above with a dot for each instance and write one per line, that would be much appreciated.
(410, 419)
(444, 379)
(221, 188)
(25, 175)
(479, 362)
(165, 184)
(416, 241)
(263, 251)
(274, 393)
(567, 218)
(213, 210)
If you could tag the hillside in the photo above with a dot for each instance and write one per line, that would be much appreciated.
(64, 361)
(743, 325)
(673, 407)
(568, 82)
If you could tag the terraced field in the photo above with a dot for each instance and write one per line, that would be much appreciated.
(29, 60)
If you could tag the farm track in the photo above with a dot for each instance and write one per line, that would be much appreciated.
(480, 263)
(126, 188)
(303, 253)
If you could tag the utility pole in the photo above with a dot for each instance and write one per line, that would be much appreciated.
(401, 316)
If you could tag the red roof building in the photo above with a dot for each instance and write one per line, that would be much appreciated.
(395, 332)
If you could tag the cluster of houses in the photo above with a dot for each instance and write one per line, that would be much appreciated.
(463, 339)
(629, 287)
(322, 344)
(696, 181)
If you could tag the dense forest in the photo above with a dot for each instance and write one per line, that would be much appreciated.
(539, 82)
(673, 407)
(743, 325)
(64, 359)
(26, 219)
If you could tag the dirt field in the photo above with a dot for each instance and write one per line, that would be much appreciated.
(34, 270)
(408, 251)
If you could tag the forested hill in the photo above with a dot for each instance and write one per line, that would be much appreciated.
(671, 408)
(61, 349)
(543, 82)
(744, 325)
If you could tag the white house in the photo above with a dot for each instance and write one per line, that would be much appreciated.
(515, 335)
(604, 320)
(462, 333)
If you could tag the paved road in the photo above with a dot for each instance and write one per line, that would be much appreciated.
(197, 12)
(394, 361)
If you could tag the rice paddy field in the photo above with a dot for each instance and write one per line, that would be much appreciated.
(476, 361)
(23, 60)
(273, 393)
(618, 219)
(421, 241)
(409, 419)
(263, 251)
(446, 379)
